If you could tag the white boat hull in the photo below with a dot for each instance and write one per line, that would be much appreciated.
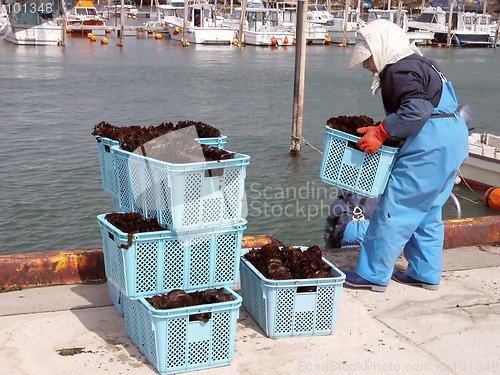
(337, 36)
(203, 35)
(316, 35)
(482, 167)
(46, 34)
(264, 38)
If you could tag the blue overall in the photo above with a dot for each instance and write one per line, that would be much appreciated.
(408, 216)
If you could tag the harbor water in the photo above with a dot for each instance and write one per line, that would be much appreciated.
(53, 96)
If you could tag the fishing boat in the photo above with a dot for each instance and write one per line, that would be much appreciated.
(468, 29)
(400, 18)
(336, 29)
(317, 13)
(268, 31)
(166, 13)
(482, 168)
(285, 16)
(202, 26)
(34, 23)
(84, 13)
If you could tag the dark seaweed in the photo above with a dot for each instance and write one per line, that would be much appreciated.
(178, 298)
(350, 124)
(133, 137)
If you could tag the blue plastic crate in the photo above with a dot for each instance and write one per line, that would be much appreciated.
(352, 169)
(116, 297)
(107, 168)
(172, 344)
(181, 196)
(154, 262)
(281, 310)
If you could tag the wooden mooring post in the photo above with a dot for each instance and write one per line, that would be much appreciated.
(242, 21)
(300, 69)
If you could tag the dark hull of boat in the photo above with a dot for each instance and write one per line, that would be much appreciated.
(464, 40)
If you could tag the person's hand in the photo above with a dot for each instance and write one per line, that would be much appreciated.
(373, 138)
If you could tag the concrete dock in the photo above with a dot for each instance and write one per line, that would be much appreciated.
(74, 329)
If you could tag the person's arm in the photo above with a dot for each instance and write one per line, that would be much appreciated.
(415, 107)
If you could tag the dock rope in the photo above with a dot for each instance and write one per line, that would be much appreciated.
(303, 140)
(476, 201)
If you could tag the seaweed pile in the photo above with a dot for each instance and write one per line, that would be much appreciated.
(135, 137)
(179, 298)
(350, 125)
(289, 262)
(133, 222)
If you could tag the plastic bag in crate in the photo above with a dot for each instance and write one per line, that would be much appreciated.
(181, 196)
(106, 162)
(155, 262)
(172, 343)
(352, 169)
(281, 309)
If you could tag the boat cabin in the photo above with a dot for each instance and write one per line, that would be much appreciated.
(400, 18)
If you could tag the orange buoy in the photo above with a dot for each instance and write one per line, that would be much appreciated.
(273, 41)
(108, 31)
(94, 38)
(89, 35)
(341, 44)
(294, 40)
(177, 30)
(235, 41)
(285, 41)
(492, 198)
(104, 40)
(440, 45)
(328, 40)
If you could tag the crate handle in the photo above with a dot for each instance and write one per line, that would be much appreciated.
(215, 172)
(110, 235)
(107, 148)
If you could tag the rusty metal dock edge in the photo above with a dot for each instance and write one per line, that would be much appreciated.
(19, 271)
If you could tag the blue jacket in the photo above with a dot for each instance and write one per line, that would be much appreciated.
(411, 89)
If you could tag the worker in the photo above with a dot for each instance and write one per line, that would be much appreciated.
(420, 107)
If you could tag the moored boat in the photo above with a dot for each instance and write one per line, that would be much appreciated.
(202, 27)
(34, 23)
(84, 13)
(482, 167)
(467, 29)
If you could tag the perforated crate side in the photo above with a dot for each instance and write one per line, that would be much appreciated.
(354, 170)
(181, 196)
(172, 344)
(116, 297)
(287, 311)
(155, 262)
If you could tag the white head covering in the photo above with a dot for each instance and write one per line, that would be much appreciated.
(386, 42)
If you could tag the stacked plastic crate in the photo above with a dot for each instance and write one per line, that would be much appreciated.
(201, 205)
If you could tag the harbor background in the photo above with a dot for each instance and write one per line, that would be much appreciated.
(53, 96)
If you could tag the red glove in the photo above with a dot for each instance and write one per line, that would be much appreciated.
(373, 138)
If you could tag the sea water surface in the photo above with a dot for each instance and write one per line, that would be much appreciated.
(52, 97)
